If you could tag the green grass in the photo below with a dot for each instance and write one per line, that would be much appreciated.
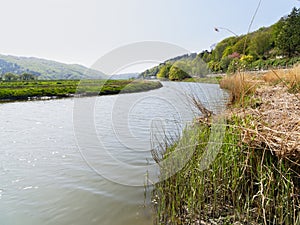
(22, 90)
(251, 186)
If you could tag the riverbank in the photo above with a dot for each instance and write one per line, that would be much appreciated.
(254, 178)
(43, 89)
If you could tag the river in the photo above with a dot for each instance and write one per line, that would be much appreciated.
(46, 176)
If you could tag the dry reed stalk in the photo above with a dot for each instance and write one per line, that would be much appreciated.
(240, 86)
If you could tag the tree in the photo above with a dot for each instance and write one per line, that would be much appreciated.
(199, 67)
(27, 76)
(261, 43)
(164, 72)
(10, 77)
(228, 51)
(224, 63)
(218, 51)
(288, 40)
(241, 45)
(205, 56)
(177, 73)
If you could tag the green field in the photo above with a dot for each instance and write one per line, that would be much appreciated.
(206, 80)
(23, 90)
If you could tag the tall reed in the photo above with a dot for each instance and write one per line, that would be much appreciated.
(242, 184)
(240, 86)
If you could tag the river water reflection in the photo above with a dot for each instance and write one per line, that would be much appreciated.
(44, 178)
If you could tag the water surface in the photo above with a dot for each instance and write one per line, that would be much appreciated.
(44, 177)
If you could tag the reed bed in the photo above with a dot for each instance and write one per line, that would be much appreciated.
(242, 185)
(240, 86)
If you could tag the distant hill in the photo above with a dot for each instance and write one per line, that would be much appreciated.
(46, 69)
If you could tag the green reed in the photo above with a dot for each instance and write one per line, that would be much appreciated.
(243, 184)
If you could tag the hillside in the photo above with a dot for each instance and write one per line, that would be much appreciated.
(45, 69)
(191, 64)
(277, 46)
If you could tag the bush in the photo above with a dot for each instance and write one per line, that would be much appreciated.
(177, 74)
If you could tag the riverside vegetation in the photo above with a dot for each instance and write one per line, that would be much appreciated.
(12, 66)
(255, 178)
(277, 46)
(24, 90)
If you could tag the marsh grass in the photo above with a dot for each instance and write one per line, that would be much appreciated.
(242, 184)
(22, 90)
(249, 182)
(240, 86)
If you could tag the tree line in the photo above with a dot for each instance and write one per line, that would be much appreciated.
(269, 47)
(179, 68)
(17, 77)
(274, 46)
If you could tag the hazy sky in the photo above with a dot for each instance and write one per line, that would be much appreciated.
(75, 31)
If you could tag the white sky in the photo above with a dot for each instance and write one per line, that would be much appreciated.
(74, 31)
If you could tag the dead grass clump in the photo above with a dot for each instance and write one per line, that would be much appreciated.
(240, 85)
(275, 124)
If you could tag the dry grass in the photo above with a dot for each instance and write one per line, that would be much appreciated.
(290, 78)
(240, 86)
(276, 112)
(244, 85)
(275, 121)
